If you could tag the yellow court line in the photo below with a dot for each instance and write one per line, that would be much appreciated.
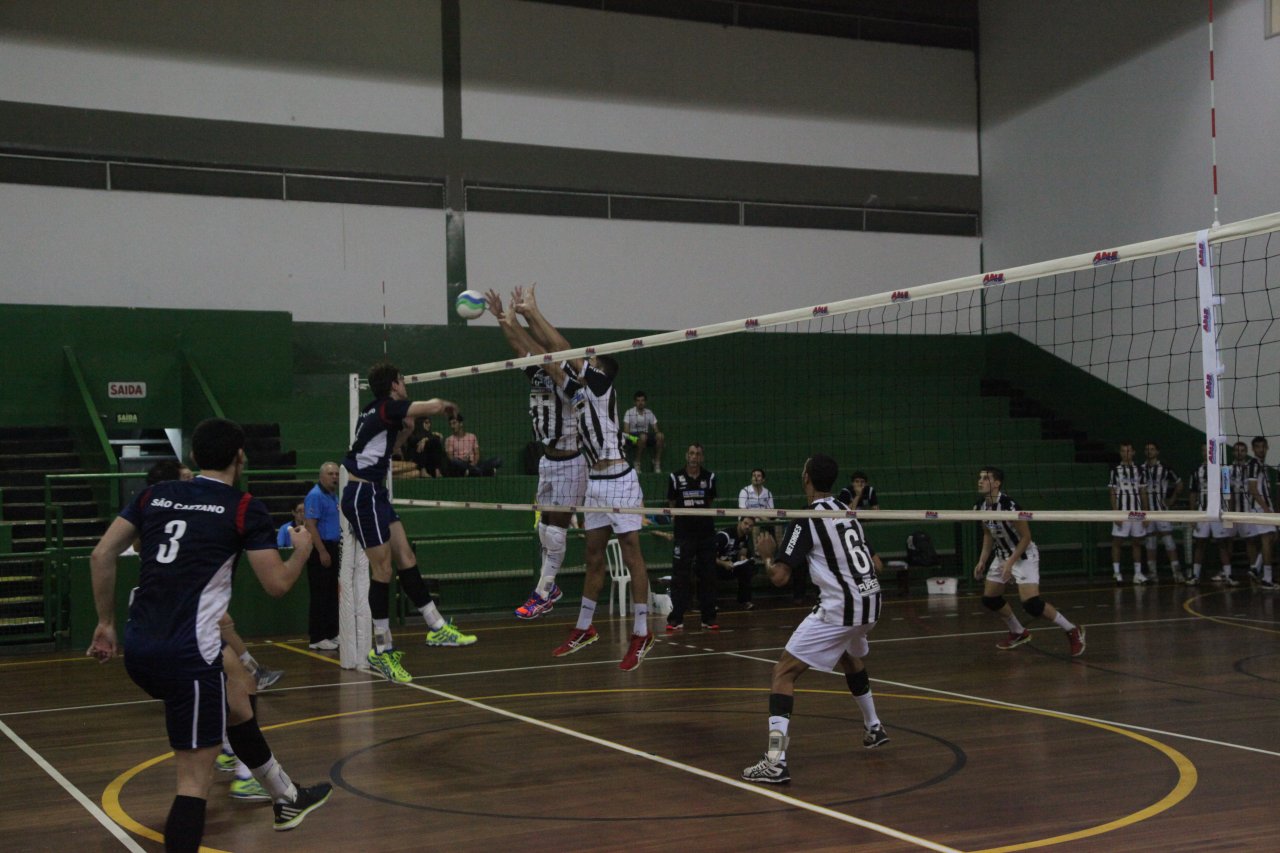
(1187, 774)
(1221, 620)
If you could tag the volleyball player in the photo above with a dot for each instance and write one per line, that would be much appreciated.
(383, 425)
(192, 534)
(1205, 529)
(1240, 500)
(611, 482)
(1163, 488)
(562, 470)
(835, 633)
(1259, 484)
(1016, 559)
(1128, 493)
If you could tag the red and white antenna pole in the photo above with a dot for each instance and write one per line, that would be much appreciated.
(1213, 122)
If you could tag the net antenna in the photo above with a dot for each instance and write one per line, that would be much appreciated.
(355, 623)
(984, 303)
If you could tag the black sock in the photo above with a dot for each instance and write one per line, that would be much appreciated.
(413, 585)
(379, 599)
(184, 828)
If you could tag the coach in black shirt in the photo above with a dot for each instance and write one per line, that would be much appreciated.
(695, 541)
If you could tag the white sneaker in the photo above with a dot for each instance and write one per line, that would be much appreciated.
(1139, 579)
(324, 645)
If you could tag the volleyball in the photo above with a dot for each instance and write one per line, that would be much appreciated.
(470, 304)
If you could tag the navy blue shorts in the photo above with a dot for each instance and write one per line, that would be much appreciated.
(367, 506)
(195, 702)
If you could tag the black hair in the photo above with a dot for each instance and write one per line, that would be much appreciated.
(457, 416)
(762, 474)
(996, 473)
(216, 443)
(608, 365)
(1156, 445)
(639, 394)
(858, 475)
(1126, 444)
(381, 377)
(1258, 439)
(164, 470)
(822, 471)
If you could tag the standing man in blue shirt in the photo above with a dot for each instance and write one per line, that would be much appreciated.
(321, 520)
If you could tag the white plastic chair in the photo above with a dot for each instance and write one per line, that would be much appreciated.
(619, 574)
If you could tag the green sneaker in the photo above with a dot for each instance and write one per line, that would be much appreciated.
(226, 762)
(249, 789)
(388, 663)
(449, 635)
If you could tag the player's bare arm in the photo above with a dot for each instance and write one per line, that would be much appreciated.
(431, 408)
(278, 576)
(102, 569)
(541, 329)
(984, 558)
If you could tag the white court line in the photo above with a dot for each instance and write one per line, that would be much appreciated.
(1015, 705)
(714, 777)
(90, 806)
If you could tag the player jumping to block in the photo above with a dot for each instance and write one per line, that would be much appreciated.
(1016, 559)
(383, 425)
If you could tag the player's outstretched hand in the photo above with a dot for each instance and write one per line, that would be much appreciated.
(103, 647)
(766, 546)
(493, 302)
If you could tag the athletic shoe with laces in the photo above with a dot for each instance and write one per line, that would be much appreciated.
(747, 605)
(449, 635)
(1075, 638)
(874, 736)
(1266, 584)
(249, 789)
(636, 650)
(323, 645)
(268, 677)
(388, 664)
(1139, 579)
(579, 639)
(674, 629)
(307, 800)
(1192, 580)
(226, 762)
(536, 605)
(713, 626)
(768, 772)
(1119, 580)
(1014, 640)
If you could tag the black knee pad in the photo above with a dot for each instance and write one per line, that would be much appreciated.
(414, 586)
(780, 705)
(859, 683)
(1034, 606)
(993, 602)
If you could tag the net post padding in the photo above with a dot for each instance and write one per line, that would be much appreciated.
(355, 625)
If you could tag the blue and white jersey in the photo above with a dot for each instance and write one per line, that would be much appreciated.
(192, 535)
(377, 427)
(840, 563)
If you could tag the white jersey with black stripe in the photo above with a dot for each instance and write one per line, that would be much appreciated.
(839, 560)
(1128, 483)
(1241, 497)
(1257, 473)
(1004, 534)
(554, 423)
(595, 404)
(1161, 482)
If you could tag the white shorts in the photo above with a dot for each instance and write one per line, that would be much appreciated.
(821, 645)
(1154, 527)
(607, 489)
(562, 482)
(1248, 531)
(1127, 529)
(1025, 571)
(1216, 529)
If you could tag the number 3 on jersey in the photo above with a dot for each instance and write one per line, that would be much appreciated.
(168, 551)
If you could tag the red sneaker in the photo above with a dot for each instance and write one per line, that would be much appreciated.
(578, 640)
(1014, 640)
(639, 647)
(674, 629)
(1076, 638)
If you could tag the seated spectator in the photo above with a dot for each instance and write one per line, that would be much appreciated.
(299, 521)
(462, 450)
(422, 454)
(642, 425)
(755, 495)
(859, 494)
(733, 558)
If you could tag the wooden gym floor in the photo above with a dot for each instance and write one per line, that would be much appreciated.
(1163, 736)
